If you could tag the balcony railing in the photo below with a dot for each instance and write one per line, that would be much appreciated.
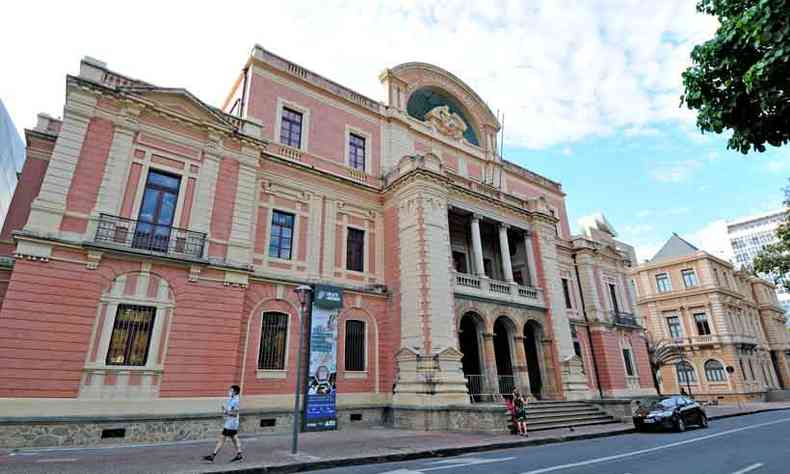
(475, 285)
(625, 319)
(133, 234)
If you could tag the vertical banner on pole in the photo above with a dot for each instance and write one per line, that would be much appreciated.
(319, 410)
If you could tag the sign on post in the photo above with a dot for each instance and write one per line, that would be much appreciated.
(319, 410)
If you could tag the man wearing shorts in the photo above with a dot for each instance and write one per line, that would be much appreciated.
(230, 428)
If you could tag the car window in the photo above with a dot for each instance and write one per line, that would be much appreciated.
(667, 403)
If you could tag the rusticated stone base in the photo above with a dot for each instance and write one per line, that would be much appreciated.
(475, 418)
(87, 431)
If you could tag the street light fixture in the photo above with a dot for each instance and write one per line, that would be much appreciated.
(303, 294)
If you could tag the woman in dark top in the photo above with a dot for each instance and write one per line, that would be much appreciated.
(520, 409)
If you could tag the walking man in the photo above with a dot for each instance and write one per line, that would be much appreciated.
(230, 428)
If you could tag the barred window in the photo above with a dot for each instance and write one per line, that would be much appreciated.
(281, 240)
(291, 128)
(686, 373)
(355, 250)
(355, 346)
(714, 371)
(356, 150)
(274, 337)
(131, 335)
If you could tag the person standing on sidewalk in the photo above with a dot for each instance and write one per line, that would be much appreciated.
(230, 428)
(520, 406)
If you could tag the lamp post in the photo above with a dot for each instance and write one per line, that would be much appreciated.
(303, 294)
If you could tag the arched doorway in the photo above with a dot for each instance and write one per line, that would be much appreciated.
(503, 334)
(533, 333)
(469, 333)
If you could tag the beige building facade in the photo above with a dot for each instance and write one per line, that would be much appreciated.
(728, 325)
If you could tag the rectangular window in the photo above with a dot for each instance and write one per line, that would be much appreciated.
(566, 290)
(701, 320)
(459, 262)
(689, 278)
(673, 323)
(157, 212)
(131, 335)
(274, 337)
(613, 295)
(355, 250)
(629, 366)
(355, 346)
(291, 128)
(662, 283)
(356, 152)
(281, 241)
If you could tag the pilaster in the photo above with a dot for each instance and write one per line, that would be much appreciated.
(240, 242)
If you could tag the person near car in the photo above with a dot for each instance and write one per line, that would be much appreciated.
(230, 427)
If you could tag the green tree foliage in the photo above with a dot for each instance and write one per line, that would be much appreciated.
(740, 79)
(774, 259)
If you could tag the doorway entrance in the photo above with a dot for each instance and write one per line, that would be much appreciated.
(503, 353)
(469, 344)
(533, 334)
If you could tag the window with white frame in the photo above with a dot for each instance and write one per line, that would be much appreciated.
(662, 283)
(629, 362)
(689, 278)
(685, 373)
(356, 151)
(355, 346)
(355, 250)
(291, 127)
(274, 340)
(714, 371)
(281, 240)
(675, 329)
(703, 327)
(131, 335)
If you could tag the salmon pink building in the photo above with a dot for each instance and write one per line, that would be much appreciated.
(155, 243)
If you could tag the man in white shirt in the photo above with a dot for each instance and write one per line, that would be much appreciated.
(230, 428)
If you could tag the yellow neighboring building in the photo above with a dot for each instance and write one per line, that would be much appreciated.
(728, 324)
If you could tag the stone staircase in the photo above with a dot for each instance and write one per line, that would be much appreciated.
(553, 414)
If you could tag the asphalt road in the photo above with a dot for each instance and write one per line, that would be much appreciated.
(748, 444)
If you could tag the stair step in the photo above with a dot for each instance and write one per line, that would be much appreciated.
(568, 419)
(540, 411)
(577, 416)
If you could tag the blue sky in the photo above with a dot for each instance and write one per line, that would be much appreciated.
(589, 88)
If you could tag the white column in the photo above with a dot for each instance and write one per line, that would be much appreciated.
(504, 250)
(531, 277)
(477, 246)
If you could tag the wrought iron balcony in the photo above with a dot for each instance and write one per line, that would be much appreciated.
(162, 239)
(625, 319)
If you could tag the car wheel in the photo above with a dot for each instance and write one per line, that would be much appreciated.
(703, 421)
(680, 425)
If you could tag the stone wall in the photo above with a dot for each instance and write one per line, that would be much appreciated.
(477, 418)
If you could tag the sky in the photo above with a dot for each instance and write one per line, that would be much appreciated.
(589, 89)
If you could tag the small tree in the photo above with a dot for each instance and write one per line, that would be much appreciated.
(740, 79)
(774, 259)
(662, 353)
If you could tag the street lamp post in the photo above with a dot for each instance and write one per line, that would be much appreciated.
(303, 294)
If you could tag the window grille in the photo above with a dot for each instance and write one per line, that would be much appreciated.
(355, 345)
(131, 335)
(274, 337)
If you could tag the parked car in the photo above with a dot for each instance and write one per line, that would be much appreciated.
(676, 413)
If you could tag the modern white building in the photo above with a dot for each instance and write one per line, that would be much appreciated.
(749, 235)
(12, 156)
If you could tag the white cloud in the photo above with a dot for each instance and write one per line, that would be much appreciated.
(643, 213)
(674, 172)
(778, 165)
(712, 237)
(560, 70)
(567, 151)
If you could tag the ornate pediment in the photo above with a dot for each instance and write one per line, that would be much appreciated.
(446, 122)
(181, 102)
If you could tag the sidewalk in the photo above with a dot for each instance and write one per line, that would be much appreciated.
(271, 452)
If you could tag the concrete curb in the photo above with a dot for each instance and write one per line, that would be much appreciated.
(431, 453)
(445, 452)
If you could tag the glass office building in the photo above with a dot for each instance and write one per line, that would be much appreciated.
(12, 156)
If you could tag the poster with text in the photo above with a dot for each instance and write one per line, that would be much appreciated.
(319, 410)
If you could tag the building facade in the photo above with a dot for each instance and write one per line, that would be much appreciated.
(157, 258)
(748, 236)
(12, 157)
(727, 325)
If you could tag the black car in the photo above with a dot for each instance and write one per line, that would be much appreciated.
(671, 413)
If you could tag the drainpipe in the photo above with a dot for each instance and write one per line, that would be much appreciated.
(589, 333)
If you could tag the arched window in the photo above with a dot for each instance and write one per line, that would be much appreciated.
(426, 99)
(714, 371)
(355, 345)
(274, 341)
(685, 373)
